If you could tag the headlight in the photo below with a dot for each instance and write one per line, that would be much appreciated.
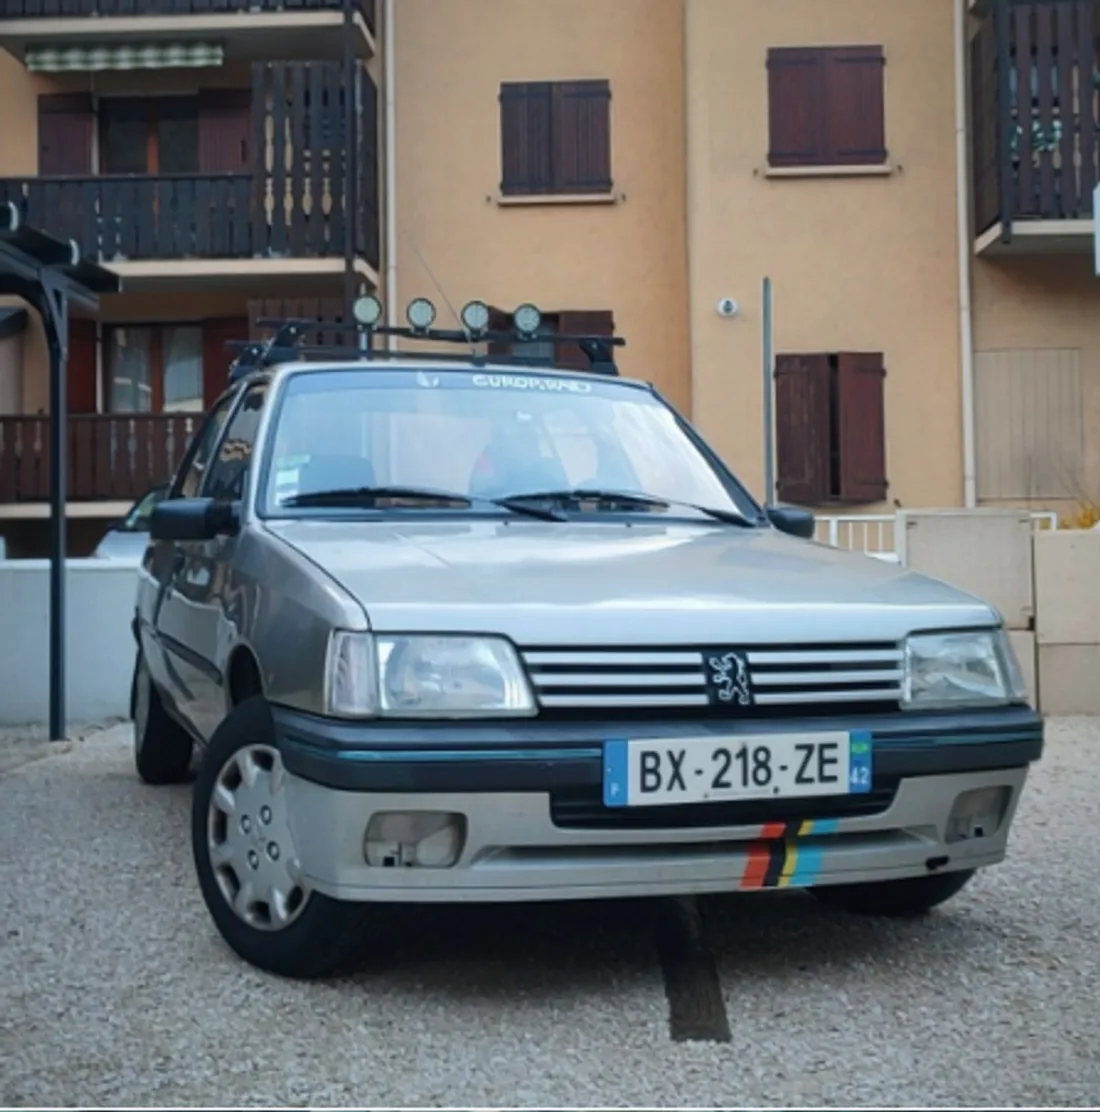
(944, 670)
(420, 676)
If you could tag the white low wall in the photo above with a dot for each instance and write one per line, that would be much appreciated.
(100, 597)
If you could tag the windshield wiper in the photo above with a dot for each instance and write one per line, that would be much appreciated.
(626, 499)
(420, 496)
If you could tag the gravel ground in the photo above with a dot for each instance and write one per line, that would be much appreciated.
(115, 989)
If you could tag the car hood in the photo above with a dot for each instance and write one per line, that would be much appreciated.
(606, 583)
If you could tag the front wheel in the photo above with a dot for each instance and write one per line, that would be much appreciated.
(246, 860)
(895, 899)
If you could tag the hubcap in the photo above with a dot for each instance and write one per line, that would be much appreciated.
(141, 705)
(249, 840)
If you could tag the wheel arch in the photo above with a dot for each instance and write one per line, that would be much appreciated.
(243, 676)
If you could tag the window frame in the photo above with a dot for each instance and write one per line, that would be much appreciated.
(518, 100)
(153, 117)
(804, 80)
(157, 364)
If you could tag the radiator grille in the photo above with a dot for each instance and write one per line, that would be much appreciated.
(801, 677)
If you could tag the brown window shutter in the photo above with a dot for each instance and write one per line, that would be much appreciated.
(225, 124)
(581, 126)
(796, 107)
(802, 428)
(861, 425)
(854, 106)
(216, 357)
(595, 322)
(525, 138)
(80, 372)
(65, 124)
(499, 321)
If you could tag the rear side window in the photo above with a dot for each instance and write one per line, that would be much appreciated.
(199, 456)
(228, 470)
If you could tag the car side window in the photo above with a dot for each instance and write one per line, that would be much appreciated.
(199, 456)
(228, 470)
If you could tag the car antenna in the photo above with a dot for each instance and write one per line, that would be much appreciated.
(442, 293)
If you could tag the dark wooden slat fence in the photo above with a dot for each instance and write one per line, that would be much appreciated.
(111, 457)
(1035, 77)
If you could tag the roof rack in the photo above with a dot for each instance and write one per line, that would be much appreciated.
(286, 345)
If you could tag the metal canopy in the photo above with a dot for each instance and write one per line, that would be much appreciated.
(49, 274)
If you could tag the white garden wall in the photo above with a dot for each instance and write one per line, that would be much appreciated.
(100, 597)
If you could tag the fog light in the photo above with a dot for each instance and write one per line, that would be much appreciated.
(977, 814)
(427, 839)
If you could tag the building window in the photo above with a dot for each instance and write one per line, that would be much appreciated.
(154, 368)
(545, 346)
(555, 138)
(826, 106)
(149, 135)
(830, 428)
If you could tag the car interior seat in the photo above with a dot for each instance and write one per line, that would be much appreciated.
(493, 478)
(335, 472)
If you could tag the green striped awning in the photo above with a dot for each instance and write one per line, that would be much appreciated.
(124, 56)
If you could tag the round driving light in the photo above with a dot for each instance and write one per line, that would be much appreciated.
(527, 319)
(367, 311)
(475, 316)
(420, 314)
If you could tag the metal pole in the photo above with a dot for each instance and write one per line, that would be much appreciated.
(56, 322)
(769, 390)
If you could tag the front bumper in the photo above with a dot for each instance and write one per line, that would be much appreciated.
(535, 827)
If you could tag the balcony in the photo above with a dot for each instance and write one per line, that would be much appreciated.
(49, 35)
(110, 458)
(1036, 139)
(309, 204)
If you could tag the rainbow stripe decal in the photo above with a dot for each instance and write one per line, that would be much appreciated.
(778, 861)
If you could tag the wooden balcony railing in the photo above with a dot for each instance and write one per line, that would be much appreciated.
(78, 9)
(140, 217)
(113, 457)
(1036, 136)
(312, 193)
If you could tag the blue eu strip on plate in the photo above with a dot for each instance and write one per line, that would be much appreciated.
(859, 762)
(615, 774)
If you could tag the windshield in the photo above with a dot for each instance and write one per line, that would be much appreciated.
(482, 435)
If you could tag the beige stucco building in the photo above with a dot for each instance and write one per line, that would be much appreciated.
(914, 176)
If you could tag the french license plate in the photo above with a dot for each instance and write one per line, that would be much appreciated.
(660, 771)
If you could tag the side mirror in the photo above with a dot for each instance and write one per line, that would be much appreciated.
(192, 519)
(794, 522)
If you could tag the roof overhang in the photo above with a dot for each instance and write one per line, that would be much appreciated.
(26, 255)
(1037, 237)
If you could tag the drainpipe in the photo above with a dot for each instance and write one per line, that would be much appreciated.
(351, 156)
(389, 68)
(962, 219)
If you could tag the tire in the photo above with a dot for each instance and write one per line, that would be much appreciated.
(162, 747)
(895, 899)
(318, 934)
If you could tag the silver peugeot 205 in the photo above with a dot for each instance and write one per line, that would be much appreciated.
(454, 627)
